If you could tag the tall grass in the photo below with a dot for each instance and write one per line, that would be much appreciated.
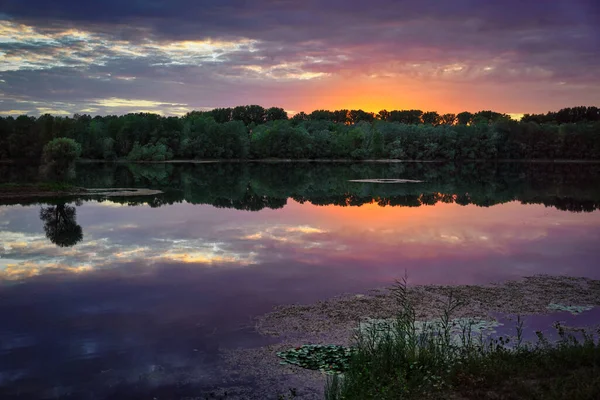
(406, 359)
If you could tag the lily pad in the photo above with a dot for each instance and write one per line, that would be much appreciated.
(330, 359)
(572, 309)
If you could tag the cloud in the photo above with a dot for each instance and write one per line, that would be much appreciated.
(232, 52)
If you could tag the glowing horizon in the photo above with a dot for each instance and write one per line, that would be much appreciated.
(174, 57)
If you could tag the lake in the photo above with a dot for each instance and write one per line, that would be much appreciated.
(133, 297)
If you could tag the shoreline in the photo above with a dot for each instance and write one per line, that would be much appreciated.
(339, 161)
(12, 162)
(334, 321)
(530, 295)
(32, 192)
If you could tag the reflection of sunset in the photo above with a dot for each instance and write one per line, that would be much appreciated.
(191, 257)
(369, 237)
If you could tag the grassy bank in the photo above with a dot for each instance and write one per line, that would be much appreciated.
(446, 359)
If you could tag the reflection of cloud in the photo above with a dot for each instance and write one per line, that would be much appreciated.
(191, 257)
(27, 269)
(304, 229)
(302, 236)
(26, 256)
(364, 237)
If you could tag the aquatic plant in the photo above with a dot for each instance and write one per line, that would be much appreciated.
(456, 326)
(329, 359)
(572, 309)
(403, 358)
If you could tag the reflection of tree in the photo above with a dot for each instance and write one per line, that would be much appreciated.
(255, 186)
(61, 226)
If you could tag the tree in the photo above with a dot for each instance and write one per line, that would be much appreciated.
(249, 114)
(222, 115)
(357, 116)
(275, 114)
(59, 156)
(341, 116)
(6, 127)
(377, 144)
(409, 117)
(61, 226)
(321, 115)
(24, 141)
(488, 117)
(431, 118)
(300, 117)
(464, 118)
(448, 119)
(383, 115)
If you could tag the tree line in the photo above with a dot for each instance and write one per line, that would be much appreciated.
(254, 132)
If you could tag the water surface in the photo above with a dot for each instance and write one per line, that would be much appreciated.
(130, 296)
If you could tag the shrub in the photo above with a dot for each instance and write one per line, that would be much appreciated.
(59, 156)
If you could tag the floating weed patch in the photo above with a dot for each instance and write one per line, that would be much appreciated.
(330, 359)
(572, 309)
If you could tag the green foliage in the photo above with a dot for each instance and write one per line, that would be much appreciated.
(300, 117)
(255, 132)
(569, 308)
(275, 113)
(448, 119)
(431, 118)
(406, 359)
(254, 186)
(59, 156)
(464, 118)
(377, 145)
(204, 138)
(62, 152)
(409, 117)
(280, 139)
(572, 115)
(329, 359)
(252, 114)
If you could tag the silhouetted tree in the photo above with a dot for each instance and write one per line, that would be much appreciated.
(448, 119)
(275, 114)
(383, 115)
(299, 117)
(431, 118)
(464, 118)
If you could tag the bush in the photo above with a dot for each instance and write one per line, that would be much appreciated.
(59, 156)
(403, 358)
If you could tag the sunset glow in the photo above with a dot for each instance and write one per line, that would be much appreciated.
(371, 236)
(174, 57)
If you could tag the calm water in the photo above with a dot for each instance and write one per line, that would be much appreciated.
(101, 299)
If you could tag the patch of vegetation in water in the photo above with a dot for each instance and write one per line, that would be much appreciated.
(403, 360)
(329, 359)
(569, 308)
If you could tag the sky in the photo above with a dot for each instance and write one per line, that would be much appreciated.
(174, 56)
